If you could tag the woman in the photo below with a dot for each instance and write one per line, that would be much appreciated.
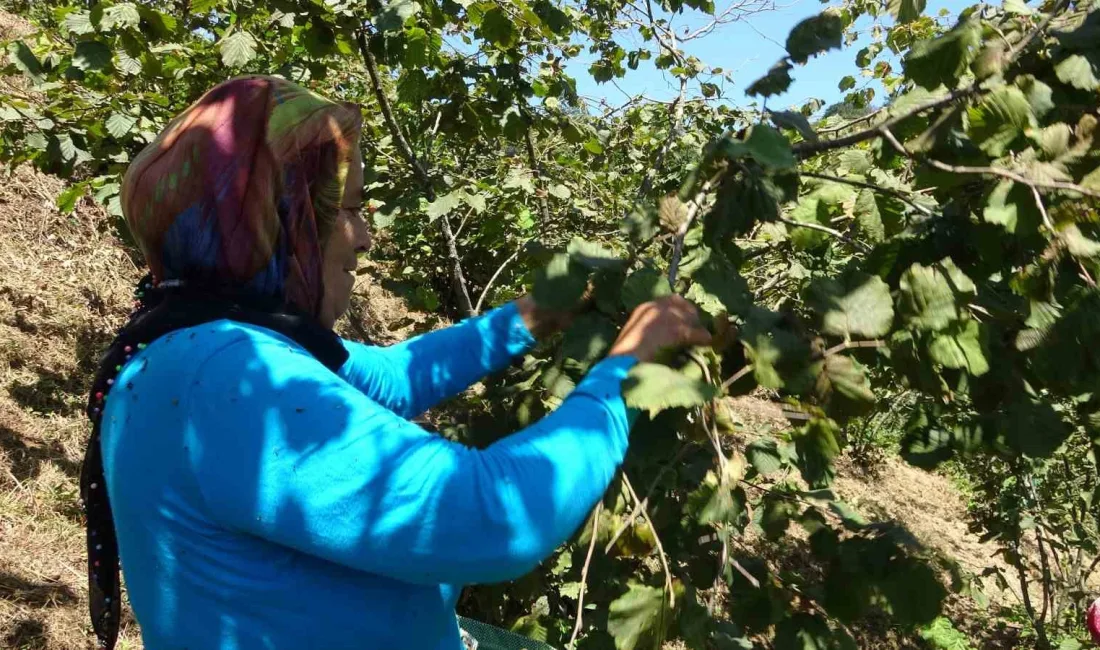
(260, 475)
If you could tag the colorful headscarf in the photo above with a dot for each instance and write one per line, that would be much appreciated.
(235, 199)
(242, 189)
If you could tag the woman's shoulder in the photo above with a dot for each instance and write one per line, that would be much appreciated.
(223, 341)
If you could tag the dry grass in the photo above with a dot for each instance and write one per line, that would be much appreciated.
(64, 286)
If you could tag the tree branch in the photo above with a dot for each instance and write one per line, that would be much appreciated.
(640, 506)
(806, 149)
(657, 539)
(874, 188)
(849, 345)
(584, 575)
(746, 369)
(827, 230)
(678, 242)
(457, 277)
(986, 171)
(489, 284)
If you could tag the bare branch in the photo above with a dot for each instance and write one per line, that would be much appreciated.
(848, 125)
(987, 171)
(489, 284)
(806, 149)
(874, 188)
(827, 230)
(640, 506)
(457, 277)
(693, 210)
(584, 575)
(849, 345)
(657, 539)
(746, 369)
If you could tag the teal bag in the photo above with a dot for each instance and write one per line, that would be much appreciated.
(494, 638)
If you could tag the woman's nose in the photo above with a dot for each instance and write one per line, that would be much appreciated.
(363, 238)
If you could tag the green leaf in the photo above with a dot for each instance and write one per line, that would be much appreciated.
(1031, 427)
(778, 356)
(855, 161)
(593, 256)
(931, 297)
(714, 502)
(776, 516)
(416, 47)
(775, 82)
(588, 338)
(961, 347)
(869, 217)
(795, 121)
(128, 65)
(124, 14)
(860, 306)
(593, 146)
(1077, 244)
(1018, 7)
(905, 11)
(68, 198)
(497, 28)
(119, 124)
(653, 387)
(25, 61)
(913, 591)
(1039, 95)
(940, 633)
(394, 14)
(560, 284)
(560, 191)
(639, 618)
(444, 204)
(237, 49)
(1000, 118)
(78, 23)
(768, 146)
(815, 35)
(91, 55)
(1012, 207)
(842, 386)
(643, 285)
(199, 7)
(764, 456)
(803, 632)
(847, 82)
(816, 446)
(1076, 71)
(943, 60)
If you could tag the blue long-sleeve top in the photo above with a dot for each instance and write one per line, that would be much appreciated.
(263, 501)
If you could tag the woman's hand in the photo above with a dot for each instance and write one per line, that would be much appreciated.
(542, 322)
(666, 323)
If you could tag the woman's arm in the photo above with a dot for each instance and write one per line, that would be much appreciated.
(313, 464)
(412, 376)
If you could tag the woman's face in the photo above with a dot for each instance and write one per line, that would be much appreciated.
(350, 236)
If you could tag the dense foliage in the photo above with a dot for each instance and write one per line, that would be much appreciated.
(942, 247)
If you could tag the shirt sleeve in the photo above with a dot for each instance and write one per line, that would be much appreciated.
(415, 375)
(293, 454)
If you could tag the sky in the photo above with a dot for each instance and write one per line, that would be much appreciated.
(747, 49)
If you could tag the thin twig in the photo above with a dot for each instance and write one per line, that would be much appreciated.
(806, 149)
(657, 540)
(827, 230)
(746, 369)
(640, 506)
(874, 188)
(987, 171)
(678, 242)
(584, 575)
(848, 125)
(1042, 209)
(848, 345)
(489, 284)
